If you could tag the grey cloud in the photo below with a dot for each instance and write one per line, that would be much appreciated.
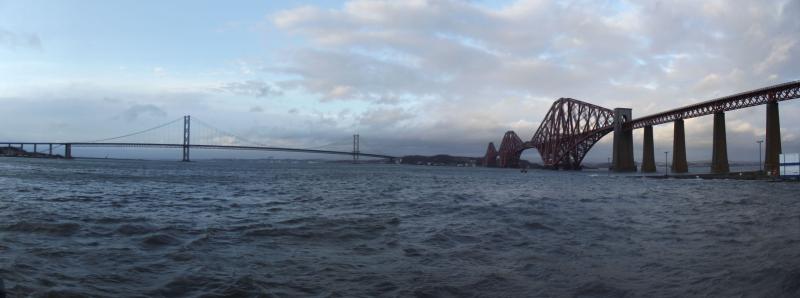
(383, 118)
(138, 110)
(323, 120)
(479, 71)
(250, 88)
(454, 48)
(348, 76)
(450, 76)
(112, 100)
(13, 40)
(256, 109)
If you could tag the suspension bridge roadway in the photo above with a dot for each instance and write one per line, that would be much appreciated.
(186, 145)
(192, 146)
(69, 146)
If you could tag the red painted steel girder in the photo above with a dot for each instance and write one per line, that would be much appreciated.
(510, 150)
(570, 128)
(490, 158)
(751, 98)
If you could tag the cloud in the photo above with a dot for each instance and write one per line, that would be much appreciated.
(250, 88)
(159, 71)
(87, 111)
(383, 118)
(455, 48)
(138, 110)
(15, 41)
(467, 68)
(449, 76)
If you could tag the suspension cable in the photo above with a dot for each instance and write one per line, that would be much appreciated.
(133, 133)
(328, 145)
(201, 122)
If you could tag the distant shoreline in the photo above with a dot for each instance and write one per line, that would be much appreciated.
(741, 175)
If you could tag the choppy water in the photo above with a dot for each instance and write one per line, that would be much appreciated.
(165, 229)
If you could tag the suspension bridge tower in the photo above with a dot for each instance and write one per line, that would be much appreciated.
(186, 136)
(355, 147)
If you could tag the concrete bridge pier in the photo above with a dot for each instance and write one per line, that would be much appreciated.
(719, 155)
(68, 151)
(50, 151)
(623, 142)
(679, 164)
(648, 154)
(773, 138)
(35, 148)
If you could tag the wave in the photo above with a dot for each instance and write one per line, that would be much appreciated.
(56, 229)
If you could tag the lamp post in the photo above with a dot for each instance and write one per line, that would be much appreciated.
(666, 164)
(760, 167)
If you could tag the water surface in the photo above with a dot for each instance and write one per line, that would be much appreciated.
(253, 228)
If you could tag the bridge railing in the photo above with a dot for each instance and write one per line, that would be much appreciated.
(742, 100)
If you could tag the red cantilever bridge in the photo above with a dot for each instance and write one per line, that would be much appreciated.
(571, 127)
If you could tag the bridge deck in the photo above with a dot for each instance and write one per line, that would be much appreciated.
(201, 146)
(780, 92)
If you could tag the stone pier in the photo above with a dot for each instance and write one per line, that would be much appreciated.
(719, 155)
(648, 151)
(68, 151)
(679, 164)
(623, 143)
(773, 138)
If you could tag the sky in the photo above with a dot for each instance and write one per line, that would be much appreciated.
(410, 77)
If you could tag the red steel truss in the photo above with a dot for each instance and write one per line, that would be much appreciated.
(490, 158)
(742, 100)
(570, 128)
(510, 150)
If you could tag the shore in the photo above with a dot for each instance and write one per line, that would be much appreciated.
(745, 175)
(17, 152)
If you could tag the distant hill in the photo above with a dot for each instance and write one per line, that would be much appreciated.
(449, 160)
(441, 160)
(14, 151)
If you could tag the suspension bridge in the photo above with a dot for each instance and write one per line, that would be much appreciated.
(571, 127)
(181, 134)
